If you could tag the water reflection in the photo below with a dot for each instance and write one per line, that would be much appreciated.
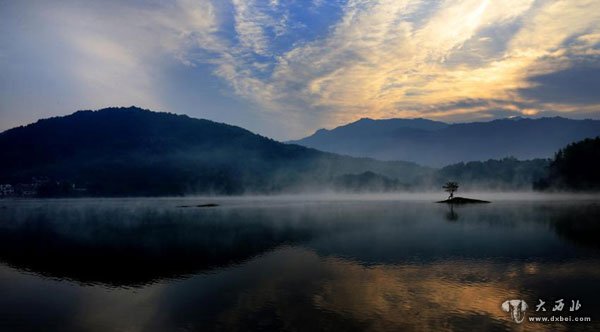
(451, 215)
(131, 246)
(303, 266)
(578, 224)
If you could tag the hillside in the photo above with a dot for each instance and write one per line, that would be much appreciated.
(131, 151)
(503, 174)
(438, 144)
(575, 167)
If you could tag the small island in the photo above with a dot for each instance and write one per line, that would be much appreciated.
(199, 205)
(451, 187)
(462, 200)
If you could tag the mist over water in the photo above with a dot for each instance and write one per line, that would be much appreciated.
(415, 196)
(297, 262)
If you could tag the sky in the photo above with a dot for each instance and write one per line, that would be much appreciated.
(285, 68)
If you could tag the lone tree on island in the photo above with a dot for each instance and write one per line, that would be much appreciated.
(450, 187)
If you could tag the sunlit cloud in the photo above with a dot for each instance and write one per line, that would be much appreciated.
(324, 63)
(402, 59)
(380, 64)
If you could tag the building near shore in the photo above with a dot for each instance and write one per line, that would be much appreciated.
(6, 190)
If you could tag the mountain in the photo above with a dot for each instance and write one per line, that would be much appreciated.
(131, 151)
(438, 144)
(575, 167)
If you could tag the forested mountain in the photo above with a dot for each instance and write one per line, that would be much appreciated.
(439, 144)
(131, 151)
(575, 167)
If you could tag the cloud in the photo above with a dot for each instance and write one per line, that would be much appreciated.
(574, 85)
(250, 25)
(110, 53)
(120, 49)
(307, 66)
(381, 61)
(416, 58)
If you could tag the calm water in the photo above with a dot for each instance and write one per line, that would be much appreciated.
(295, 264)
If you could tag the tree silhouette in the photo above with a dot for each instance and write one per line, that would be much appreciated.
(450, 187)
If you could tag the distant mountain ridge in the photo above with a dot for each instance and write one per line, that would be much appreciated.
(132, 151)
(437, 144)
(382, 127)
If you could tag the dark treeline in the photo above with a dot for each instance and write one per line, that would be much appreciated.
(575, 167)
(369, 182)
(504, 174)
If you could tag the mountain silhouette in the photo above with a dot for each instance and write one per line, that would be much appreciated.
(437, 144)
(574, 168)
(131, 151)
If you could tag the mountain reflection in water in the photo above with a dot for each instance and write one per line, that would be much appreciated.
(267, 264)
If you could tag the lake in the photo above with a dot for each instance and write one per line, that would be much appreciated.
(320, 263)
